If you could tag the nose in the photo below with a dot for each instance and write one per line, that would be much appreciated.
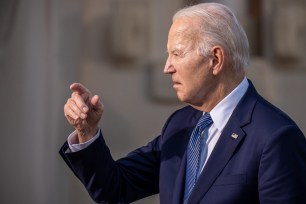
(169, 69)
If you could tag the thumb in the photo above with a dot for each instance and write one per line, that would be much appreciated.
(96, 103)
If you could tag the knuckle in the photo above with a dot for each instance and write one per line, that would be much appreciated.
(69, 100)
(67, 104)
(65, 107)
(67, 112)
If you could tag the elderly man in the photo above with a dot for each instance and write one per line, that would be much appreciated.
(229, 145)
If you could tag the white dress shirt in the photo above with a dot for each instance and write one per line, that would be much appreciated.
(220, 115)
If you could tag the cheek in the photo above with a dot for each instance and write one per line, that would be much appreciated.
(197, 83)
(192, 70)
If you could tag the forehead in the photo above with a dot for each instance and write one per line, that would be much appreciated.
(183, 29)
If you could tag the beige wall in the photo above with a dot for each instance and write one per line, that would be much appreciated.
(47, 44)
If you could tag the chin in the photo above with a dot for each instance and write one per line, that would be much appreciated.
(182, 97)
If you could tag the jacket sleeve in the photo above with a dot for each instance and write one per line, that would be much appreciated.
(123, 181)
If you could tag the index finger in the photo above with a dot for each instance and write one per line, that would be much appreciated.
(79, 88)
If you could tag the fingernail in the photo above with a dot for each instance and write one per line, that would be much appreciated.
(85, 109)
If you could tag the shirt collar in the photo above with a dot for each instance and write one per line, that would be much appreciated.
(221, 113)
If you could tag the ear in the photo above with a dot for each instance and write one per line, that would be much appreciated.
(217, 59)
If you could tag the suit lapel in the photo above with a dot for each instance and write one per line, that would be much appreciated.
(220, 156)
(228, 142)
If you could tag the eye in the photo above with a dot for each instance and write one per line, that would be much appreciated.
(177, 53)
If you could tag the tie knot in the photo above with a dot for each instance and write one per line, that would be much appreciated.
(205, 121)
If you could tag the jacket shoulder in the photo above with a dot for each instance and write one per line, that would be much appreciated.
(181, 118)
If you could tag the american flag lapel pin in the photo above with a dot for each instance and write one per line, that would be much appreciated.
(234, 135)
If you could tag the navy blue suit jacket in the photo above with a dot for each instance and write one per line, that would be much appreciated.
(265, 164)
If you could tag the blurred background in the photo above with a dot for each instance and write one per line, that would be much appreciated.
(117, 48)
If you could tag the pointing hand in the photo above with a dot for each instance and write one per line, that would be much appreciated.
(83, 111)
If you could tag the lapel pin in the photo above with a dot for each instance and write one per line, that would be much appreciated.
(234, 135)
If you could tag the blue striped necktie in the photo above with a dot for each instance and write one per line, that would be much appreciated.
(193, 154)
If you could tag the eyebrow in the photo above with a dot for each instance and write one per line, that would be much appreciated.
(174, 50)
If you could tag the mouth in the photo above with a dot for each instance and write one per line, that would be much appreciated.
(176, 84)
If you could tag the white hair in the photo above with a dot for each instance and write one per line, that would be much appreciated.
(219, 26)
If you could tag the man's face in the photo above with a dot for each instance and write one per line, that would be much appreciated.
(190, 71)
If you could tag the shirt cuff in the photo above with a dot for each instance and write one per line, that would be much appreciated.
(75, 147)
